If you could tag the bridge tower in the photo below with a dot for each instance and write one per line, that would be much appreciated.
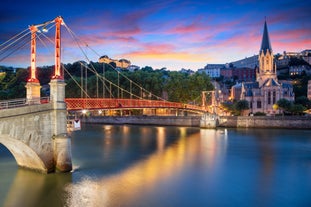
(61, 142)
(33, 86)
(36, 134)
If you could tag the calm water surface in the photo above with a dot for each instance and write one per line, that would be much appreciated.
(169, 166)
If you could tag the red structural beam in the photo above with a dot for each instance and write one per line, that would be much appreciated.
(57, 72)
(33, 77)
(107, 103)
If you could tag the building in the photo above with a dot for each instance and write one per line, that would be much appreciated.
(244, 74)
(122, 63)
(299, 69)
(283, 61)
(248, 62)
(133, 68)
(264, 93)
(212, 70)
(306, 56)
(309, 90)
(226, 73)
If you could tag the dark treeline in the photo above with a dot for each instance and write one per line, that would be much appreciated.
(170, 85)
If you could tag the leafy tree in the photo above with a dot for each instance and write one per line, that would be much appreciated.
(304, 101)
(241, 106)
(297, 109)
(185, 88)
(177, 86)
(284, 104)
(228, 107)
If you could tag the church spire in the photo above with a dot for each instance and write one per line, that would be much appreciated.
(265, 43)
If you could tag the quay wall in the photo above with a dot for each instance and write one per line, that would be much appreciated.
(289, 122)
(191, 121)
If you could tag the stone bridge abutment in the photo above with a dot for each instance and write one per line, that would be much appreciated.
(36, 135)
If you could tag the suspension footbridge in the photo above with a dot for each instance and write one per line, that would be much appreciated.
(34, 128)
(113, 94)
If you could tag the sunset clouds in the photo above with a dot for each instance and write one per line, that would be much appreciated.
(173, 34)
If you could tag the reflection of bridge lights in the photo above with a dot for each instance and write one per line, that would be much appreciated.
(183, 131)
(84, 111)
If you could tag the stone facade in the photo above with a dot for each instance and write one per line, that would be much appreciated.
(36, 134)
(264, 93)
(285, 122)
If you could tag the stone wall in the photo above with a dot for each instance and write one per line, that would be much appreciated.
(145, 120)
(36, 135)
(289, 122)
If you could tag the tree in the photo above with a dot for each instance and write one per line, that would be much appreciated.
(241, 106)
(185, 88)
(228, 107)
(284, 104)
(297, 109)
(304, 101)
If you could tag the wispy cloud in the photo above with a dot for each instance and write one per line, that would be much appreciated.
(170, 32)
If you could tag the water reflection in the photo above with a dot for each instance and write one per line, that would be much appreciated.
(160, 168)
(35, 189)
(171, 166)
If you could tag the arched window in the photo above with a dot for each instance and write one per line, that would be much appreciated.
(258, 104)
(269, 97)
(267, 63)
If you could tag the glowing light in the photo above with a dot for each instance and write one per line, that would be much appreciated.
(84, 111)
(45, 30)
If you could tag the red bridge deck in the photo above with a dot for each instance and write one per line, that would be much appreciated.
(107, 103)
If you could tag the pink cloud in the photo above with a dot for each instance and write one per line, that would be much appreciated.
(185, 29)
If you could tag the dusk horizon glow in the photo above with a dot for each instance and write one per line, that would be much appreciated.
(172, 34)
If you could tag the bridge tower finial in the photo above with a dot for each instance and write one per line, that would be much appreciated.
(57, 73)
(33, 76)
(33, 86)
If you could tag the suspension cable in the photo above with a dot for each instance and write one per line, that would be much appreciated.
(75, 37)
(18, 41)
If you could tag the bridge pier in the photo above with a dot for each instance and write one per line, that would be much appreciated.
(33, 92)
(36, 134)
(209, 121)
(62, 153)
(61, 142)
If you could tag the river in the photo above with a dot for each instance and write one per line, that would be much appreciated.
(132, 166)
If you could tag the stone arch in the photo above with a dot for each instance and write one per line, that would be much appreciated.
(23, 154)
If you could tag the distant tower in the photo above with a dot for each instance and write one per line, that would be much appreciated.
(267, 68)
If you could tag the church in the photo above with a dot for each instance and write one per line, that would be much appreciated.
(267, 89)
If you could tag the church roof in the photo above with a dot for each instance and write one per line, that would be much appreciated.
(250, 85)
(287, 85)
(270, 82)
(265, 42)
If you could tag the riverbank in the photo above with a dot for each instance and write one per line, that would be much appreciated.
(191, 121)
(288, 122)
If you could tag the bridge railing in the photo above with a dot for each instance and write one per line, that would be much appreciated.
(106, 103)
(13, 103)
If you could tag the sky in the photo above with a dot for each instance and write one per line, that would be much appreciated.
(159, 33)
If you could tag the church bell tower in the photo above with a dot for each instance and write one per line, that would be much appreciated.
(267, 68)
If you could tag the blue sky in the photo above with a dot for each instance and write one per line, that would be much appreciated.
(163, 33)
